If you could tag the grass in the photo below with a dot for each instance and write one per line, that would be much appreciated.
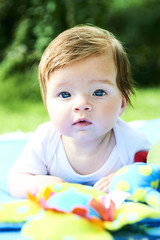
(146, 105)
(21, 116)
(27, 115)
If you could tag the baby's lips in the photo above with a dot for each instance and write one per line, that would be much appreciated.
(82, 120)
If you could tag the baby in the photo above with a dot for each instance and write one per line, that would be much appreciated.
(85, 80)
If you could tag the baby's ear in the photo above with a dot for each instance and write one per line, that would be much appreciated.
(123, 106)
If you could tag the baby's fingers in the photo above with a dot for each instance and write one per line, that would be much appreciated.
(102, 187)
(103, 183)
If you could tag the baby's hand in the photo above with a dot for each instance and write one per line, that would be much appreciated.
(103, 183)
(140, 180)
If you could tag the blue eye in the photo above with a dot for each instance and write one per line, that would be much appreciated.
(99, 93)
(64, 95)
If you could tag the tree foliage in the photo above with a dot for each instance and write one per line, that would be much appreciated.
(28, 26)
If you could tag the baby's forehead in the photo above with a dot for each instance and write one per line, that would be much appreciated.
(68, 62)
(92, 70)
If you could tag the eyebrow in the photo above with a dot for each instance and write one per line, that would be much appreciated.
(59, 85)
(104, 81)
(93, 81)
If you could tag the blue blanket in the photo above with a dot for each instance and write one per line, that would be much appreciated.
(9, 152)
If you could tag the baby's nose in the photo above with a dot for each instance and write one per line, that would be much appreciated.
(82, 105)
(83, 108)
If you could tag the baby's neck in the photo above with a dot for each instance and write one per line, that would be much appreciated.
(86, 158)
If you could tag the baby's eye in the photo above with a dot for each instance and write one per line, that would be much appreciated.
(99, 93)
(64, 95)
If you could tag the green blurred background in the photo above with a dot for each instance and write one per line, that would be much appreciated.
(28, 26)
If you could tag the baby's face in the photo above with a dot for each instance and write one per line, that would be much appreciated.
(83, 99)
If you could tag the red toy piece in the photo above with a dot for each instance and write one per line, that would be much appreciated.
(141, 156)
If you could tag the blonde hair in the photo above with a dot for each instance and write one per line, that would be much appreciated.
(81, 42)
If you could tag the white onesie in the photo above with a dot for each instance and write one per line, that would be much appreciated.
(44, 154)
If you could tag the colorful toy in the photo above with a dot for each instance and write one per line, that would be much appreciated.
(141, 180)
(84, 201)
(72, 211)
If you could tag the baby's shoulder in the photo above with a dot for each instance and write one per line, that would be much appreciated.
(46, 126)
(130, 136)
(46, 131)
(126, 129)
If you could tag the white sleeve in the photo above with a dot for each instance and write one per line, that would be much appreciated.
(33, 159)
(129, 141)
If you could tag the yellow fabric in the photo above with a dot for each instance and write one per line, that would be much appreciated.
(132, 212)
(18, 211)
(50, 225)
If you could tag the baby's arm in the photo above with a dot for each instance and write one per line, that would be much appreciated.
(21, 183)
(103, 183)
(30, 171)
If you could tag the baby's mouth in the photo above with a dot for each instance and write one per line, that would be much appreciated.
(80, 123)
